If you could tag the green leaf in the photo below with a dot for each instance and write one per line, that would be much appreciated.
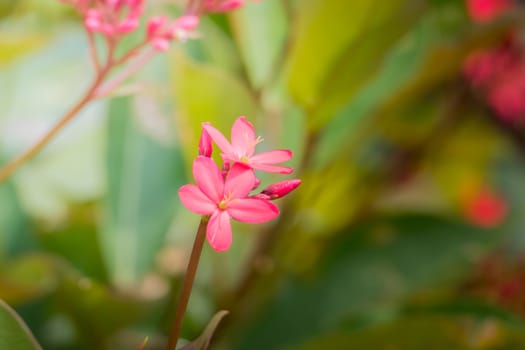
(77, 242)
(26, 278)
(260, 31)
(203, 342)
(339, 46)
(427, 332)
(143, 178)
(205, 93)
(15, 232)
(367, 274)
(14, 334)
(96, 310)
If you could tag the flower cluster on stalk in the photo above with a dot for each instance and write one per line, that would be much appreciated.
(114, 19)
(224, 194)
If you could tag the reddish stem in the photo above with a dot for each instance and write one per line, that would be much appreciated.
(187, 284)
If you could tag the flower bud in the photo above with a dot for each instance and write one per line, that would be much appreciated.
(205, 146)
(281, 189)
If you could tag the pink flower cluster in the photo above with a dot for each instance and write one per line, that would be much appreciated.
(223, 194)
(116, 18)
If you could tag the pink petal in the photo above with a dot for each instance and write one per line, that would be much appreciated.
(252, 210)
(196, 201)
(239, 181)
(208, 178)
(272, 168)
(220, 140)
(243, 137)
(272, 157)
(219, 231)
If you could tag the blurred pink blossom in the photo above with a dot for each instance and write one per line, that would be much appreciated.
(111, 17)
(486, 208)
(222, 5)
(160, 31)
(485, 10)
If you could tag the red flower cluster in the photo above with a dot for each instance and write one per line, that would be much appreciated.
(485, 10)
(498, 74)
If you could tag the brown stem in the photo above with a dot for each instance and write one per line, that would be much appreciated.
(93, 50)
(16, 163)
(187, 284)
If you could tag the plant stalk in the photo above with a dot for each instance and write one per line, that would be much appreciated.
(187, 284)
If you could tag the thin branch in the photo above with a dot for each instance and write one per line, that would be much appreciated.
(8, 169)
(187, 284)
(93, 50)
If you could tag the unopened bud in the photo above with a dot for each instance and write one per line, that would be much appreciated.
(281, 189)
(205, 146)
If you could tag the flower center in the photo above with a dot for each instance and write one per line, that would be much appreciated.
(244, 159)
(223, 205)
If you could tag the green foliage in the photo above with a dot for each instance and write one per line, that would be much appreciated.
(366, 274)
(14, 334)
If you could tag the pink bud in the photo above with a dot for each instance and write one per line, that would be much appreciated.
(186, 23)
(155, 26)
(205, 146)
(281, 189)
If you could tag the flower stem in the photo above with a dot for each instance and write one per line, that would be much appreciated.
(187, 284)
(16, 163)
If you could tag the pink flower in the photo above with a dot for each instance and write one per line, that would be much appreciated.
(160, 32)
(111, 17)
(485, 10)
(223, 199)
(242, 148)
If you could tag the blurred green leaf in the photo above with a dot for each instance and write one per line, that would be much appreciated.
(368, 273)
(427, 332)
(203, 342)
(215, 47)
(205, 93)
(260, 31)
(14, 334)
(15, 231)
(143, 178)
(14, 46)
(77, 242)
(97, 311)
(332, 55)
(27, 277)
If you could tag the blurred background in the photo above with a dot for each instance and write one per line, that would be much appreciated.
(407, 122)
